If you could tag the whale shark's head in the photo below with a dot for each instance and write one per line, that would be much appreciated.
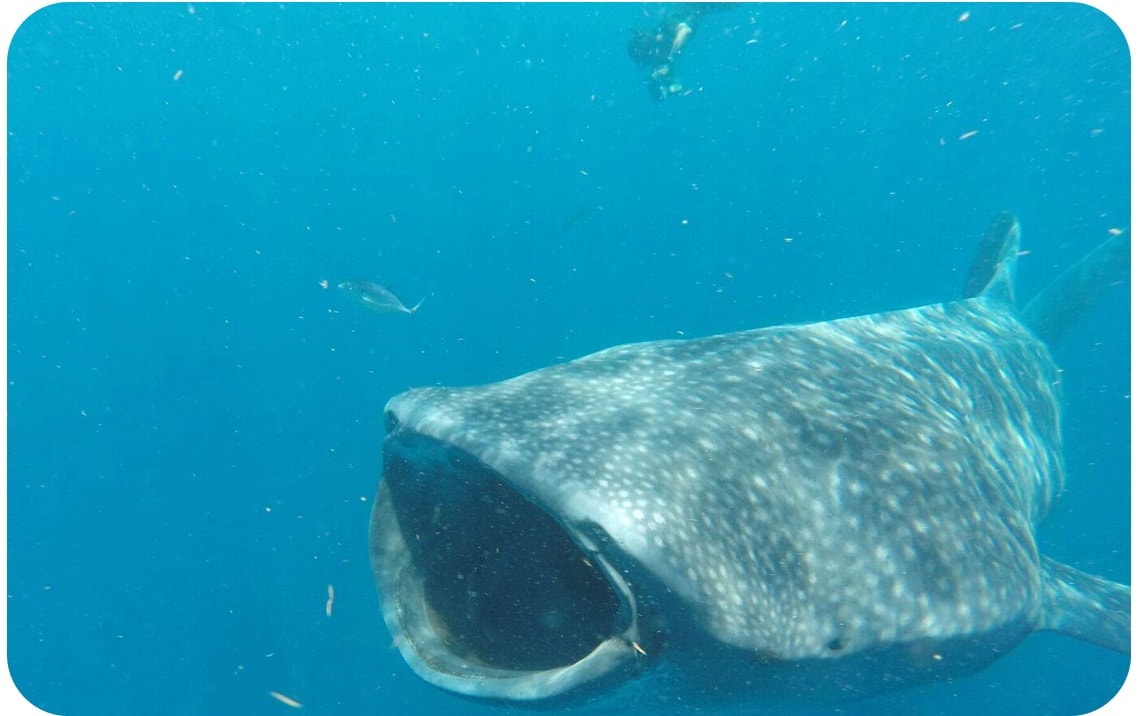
(550, 535)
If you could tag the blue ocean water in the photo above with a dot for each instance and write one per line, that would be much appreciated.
(195, 418)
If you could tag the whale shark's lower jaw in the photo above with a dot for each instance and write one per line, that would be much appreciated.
(486, 594)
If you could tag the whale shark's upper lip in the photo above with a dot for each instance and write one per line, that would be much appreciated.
(486, 593)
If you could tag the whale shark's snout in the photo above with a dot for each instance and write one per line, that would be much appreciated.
(488, 594)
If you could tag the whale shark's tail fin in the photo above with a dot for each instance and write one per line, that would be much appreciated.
(1085, 607)
(993, 269)
(1067, 298)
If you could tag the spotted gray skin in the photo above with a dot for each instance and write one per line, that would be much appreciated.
(848, 505)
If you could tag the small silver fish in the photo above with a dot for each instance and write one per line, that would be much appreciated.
(376, 297)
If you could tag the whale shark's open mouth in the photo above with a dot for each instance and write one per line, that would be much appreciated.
(487, 594)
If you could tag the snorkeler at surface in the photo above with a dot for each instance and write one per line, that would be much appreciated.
(659, 47)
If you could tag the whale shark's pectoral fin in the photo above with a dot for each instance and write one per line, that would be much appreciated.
(1085, 607)
(1068, 297)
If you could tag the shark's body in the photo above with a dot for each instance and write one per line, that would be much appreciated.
(847, 506)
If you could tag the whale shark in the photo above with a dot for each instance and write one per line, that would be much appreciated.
(842, 507)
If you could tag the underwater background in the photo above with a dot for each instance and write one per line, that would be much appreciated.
(195, 411)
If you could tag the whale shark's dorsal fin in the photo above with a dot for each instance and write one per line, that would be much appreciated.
(993, 270)
(1054, 309)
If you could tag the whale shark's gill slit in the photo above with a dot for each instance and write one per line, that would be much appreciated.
(503, 585)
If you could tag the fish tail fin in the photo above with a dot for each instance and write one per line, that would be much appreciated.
(1054, 309)
(415, 308)
(1085, 607)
